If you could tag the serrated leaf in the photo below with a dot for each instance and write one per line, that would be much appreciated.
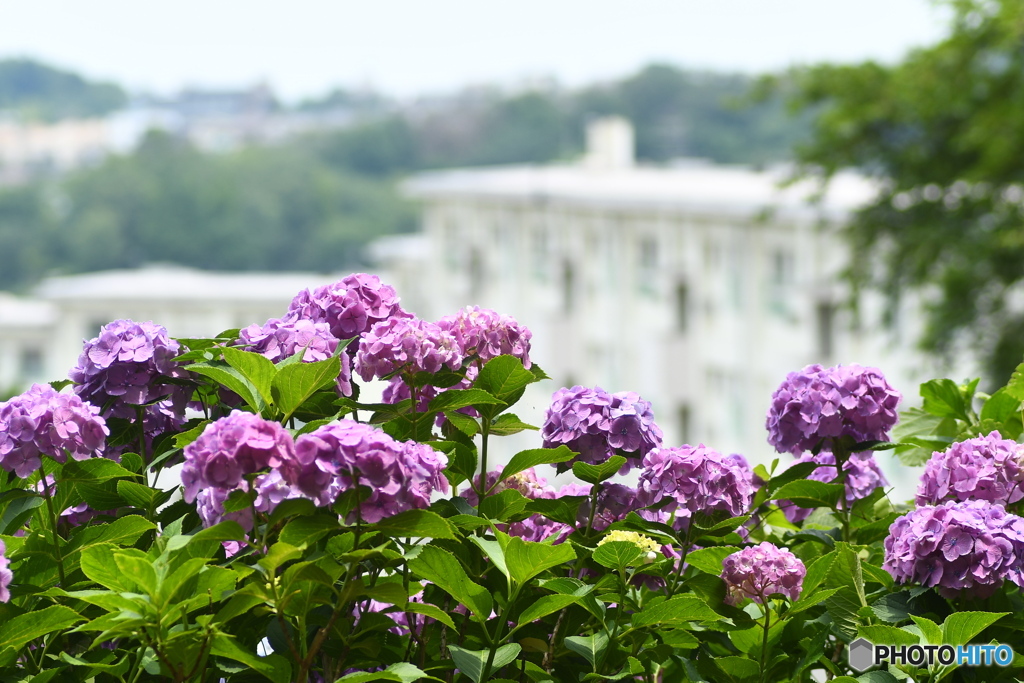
(432, 611)
(222, 373)
(543, 606)
(595, 474)
(472, 662)
(503, 376)
(308, 530)
(710, 559)
(960, 627)
(679, 609)
(524, 460)
(18, 631)
(442, 569)
(618, 555)
(526, 560)
(255, 367)
(293, 384)
(415, 524)
(509, 424)
(464, 423)
(881, 633)
(808, 493)
(591, 647)
(453, 399)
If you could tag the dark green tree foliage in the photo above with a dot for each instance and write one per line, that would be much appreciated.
(37, 91)
(943, 132)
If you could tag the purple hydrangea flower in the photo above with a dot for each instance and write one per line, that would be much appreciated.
(43, 421)
(350, 307)
(863, 476)
(537, 528)
(526, 482)
(232, 447)
(484, 334)
(696, 479)
(614, 502)
(280, 339)
(984, 468)
(828, 404)
(960, 547)
(271, 490)
(761, 571)
(406, 345)
(595, 424)
(6, 575)
(400, 475)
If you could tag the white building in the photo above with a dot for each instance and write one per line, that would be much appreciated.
(699, 286)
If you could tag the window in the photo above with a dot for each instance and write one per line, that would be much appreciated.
(477, 276)
(539, 255)
(647, 266)
(682, 307)
(568, 287)
(825, 318)
(684, 418)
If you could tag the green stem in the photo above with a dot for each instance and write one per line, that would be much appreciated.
(678, 574)
(764, 641)
(594, 491)
(498, 633)
(841, 456)
(53, 522)
(483, 490)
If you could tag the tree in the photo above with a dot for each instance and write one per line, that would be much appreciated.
(943, 134)
(36, 90)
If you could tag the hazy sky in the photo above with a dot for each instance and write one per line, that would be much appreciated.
(407, 47)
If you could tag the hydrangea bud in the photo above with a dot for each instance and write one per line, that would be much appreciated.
(984, 468)
(760, 571)
(967, 547)
(408, 346)
(595, 424)
(695, 479)
(43, 421)
(863, 475)
(350, 307)
(817, 405)
(232, 447)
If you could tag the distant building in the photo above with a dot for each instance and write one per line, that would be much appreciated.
(700, 286)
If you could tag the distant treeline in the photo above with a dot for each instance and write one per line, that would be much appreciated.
(314, 202)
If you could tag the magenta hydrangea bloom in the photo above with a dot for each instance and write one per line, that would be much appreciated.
(43, 421)
(484, 334)
(967, 547)
(6, 575)
(984, 468)
(232, 447)
(826, 404)
(761, 571)
(406, 345)
(350, 307)
(280, 339)
(537, 528)
(596, 424)
(695, 479)
(400, 475)
(271, 490)
(863, 475)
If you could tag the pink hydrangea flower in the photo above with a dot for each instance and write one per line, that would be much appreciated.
(760, 571)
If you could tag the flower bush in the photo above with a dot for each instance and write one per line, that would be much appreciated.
(315, 537)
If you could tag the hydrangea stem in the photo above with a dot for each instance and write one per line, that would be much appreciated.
(764, 641)
(842, 455)
(53, 522)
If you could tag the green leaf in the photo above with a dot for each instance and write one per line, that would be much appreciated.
(472, 662)
(230, 377)
(94, 470)
(737, 669)
(929, 629)
(18, 631)
(501, 506)
(99, 566)
(308, 530)
(526, 560)
(710, 559)
(415, 524)
(591, 647)
(524, 460)
(464, 423)
(960, 627)
(1000, 406)
(453, 399)
(509, 424)
(294, 384)
(275, 667)
(595, 474)
(255, 367)
(442, 569)
(503, 376)
(881, 633)
(543, 606)
(943, 398)
(618, 555)
(846, 575)
(432, 611)
(185, 438)
(807, 493)
(679, 609)
(141, 496)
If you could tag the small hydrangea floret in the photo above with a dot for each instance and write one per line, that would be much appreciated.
(760, 571)
(43, 421)
(863, 476)
(984, 468)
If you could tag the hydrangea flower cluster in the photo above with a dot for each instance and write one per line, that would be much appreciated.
(819, 403)
(6, 575)
(760, 571)
(278, 339)
(130, 362)
(526, 482)
(614, 502)
(407, 345)
(957, 546)
(984, 468)
(43, 421)
(595, 424)
(350, 307)
(334, 458)
(696, 479)
(863, 475)
(270, 488)
(232, 447)
(485, 334)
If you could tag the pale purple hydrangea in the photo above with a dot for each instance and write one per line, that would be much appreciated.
(408, 346)
(695, 479)
(984, 468)
(232, 447)
(614, 502)
(597, 424)
(760, 571)
(484, 334)
(280, 339)
(130, 364)
(6, 575)
(271, 490)
(43, 421)
(962, 548)
(817, 405)
(863, 475)
(350, 307)
(400, 475)
(537, 528)
(526, 482)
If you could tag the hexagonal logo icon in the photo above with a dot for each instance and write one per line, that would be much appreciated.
(861, 654)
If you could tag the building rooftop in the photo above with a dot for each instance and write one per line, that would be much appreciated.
(16, 312)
